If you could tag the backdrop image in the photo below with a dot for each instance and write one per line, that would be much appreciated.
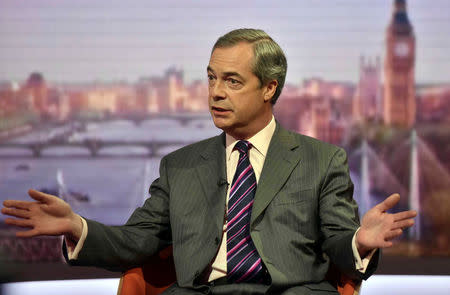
(94, 93)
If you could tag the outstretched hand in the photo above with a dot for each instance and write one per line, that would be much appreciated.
(47, 215)
(379, 228)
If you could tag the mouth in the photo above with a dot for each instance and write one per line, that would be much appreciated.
(219, 110)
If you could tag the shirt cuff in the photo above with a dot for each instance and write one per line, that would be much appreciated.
(361, 264)
(74, 248)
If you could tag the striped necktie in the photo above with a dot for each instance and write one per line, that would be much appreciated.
(243, 261)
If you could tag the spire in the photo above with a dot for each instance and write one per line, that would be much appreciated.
(400, 5)
(400, 22)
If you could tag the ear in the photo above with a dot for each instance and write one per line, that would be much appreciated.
(269, 90)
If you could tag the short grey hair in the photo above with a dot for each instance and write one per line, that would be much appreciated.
(269, 62)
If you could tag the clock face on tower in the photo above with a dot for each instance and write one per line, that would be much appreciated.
(401, 49)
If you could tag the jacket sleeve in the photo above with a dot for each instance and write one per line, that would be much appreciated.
(146, 232)
(339, 217)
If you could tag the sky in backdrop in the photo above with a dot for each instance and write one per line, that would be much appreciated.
(111, 40)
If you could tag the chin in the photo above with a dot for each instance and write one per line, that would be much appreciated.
(221, 123)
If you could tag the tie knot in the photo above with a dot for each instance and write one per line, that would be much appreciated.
(243, 146)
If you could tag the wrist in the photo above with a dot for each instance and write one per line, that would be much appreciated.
(76, 228)
(362, 249)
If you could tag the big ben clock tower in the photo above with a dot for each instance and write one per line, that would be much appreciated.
(399, 93)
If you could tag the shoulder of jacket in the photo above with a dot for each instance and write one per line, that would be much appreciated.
(192, 149)
(312, 143)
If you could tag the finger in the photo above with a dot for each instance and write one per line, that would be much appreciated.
(20, 213)
(403, 224)
(405, 215)
(27, 234)
(40, 196)
(19, 222)
(387, 244)
(17, 204)
(389, 202)
(393, 234)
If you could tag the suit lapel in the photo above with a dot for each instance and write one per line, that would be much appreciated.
(211, 171)
(282, 156)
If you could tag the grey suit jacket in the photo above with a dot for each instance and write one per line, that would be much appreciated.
(303, 214)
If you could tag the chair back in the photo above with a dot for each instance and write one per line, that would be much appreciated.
(155, 276)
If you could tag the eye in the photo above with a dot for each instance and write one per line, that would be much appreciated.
(211, 79)
(233, 81)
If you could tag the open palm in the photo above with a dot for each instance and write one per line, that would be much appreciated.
(47, 215)
(378, 227)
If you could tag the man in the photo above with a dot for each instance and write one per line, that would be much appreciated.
(256, 210)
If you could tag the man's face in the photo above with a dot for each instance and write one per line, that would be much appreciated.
(238, 103)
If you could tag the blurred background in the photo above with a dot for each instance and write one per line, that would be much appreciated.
(94, 93)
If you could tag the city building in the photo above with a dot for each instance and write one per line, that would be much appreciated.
(37, 91)
(434, 104)
(163, 94)
(318, 108)
(399, 82)
(198, 96)
(367, 102)
(177, 95)
(58, 105)
(8, 98)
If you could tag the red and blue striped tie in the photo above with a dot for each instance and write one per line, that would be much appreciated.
(243, 261)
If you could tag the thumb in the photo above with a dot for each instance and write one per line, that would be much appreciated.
(389, 202)
(40, 196)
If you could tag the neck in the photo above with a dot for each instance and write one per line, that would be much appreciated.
(246, 133)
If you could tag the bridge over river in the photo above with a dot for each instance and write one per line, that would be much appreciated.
(94, 146)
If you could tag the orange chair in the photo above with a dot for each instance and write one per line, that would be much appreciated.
(152, 278)
(343, 284)
(159, 273)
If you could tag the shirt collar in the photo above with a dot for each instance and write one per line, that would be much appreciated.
(260, 141)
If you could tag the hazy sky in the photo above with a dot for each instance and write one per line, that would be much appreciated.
(84, 40)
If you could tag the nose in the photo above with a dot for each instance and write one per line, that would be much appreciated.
(217, 91)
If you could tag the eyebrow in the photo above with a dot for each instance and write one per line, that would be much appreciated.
(226, 74)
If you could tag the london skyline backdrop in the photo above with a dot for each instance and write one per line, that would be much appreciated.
(84, 41)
